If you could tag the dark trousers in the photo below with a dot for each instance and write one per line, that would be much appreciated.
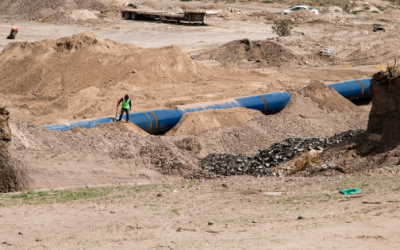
(127, 114)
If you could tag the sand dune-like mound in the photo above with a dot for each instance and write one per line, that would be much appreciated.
(194, 123)
(85, 60)
(71, 74)
(249, 54)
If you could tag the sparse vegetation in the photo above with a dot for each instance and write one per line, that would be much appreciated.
(282, 27)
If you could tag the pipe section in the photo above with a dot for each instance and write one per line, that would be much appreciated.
(353, 89)
(161, 120)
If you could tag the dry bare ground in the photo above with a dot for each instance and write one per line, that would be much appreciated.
(112, 187)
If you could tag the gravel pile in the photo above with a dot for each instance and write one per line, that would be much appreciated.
(258, 165)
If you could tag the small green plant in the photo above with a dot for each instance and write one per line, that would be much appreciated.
(380, 8)
(375, 11)
(186, 0)
(356, 12)
(366, 8)
(267, 1)
(176, 211)
(282, 27)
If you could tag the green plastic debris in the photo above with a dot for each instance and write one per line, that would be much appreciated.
(350, 191)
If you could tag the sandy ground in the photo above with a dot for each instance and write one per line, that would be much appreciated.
(236, 213)
(90, 192)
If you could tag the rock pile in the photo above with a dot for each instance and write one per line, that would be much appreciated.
(258, 165)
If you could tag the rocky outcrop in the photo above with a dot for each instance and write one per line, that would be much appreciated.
(384, 117)
(5, 132)
(12, 172)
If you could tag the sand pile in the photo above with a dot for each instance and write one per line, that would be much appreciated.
(360, 6)
(57, 71)
(249, 54)
(113, 12)
(36, 9)
(330, 9)
(194, 123)
(328, 99)
(317, 100)
(116, 127)
(82, 15)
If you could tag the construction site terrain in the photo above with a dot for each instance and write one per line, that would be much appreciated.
(117, 186)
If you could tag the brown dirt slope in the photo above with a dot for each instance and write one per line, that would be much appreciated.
(69, 73)
(194, 123)
(36, 9)
(249, 54)
(327, 98)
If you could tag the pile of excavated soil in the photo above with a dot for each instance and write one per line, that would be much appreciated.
(116, 127)
(249, 54)
(330, 9)
(298, 17)
(318, 100)
(194, 123)
(37, 9)
(69, 74)
(328, 99)
(360, 6)
(112, 12)
(376, 148)
(82, 15)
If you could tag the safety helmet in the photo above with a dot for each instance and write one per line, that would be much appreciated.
(14, 28)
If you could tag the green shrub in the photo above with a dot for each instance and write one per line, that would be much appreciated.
(267, 1)
(356, 12)
(380, 8)
(366, 8)
(282, 27)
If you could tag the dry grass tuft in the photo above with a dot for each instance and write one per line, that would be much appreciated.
(304, 161)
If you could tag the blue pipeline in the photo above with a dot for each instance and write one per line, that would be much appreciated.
(353, 89)
(161, 120)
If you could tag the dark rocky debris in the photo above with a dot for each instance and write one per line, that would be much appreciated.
(258, 165)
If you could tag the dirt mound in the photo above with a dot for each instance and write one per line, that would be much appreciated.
(194, 123)
(57, 71)
(300, 16)
(360, 6)
(302, 106)
(328, 99)
(384, 117)
(113, 12)
(36, 9)
(249, 54)
(118, 127)
(331, 9)
(82, 15)
(12, 172)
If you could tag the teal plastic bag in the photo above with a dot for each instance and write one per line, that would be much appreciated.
(350, 191)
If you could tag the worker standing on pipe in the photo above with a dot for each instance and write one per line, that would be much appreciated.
(126, 102)
(13, 33)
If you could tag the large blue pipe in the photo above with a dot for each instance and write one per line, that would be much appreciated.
(160, 120)
(353, 89)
